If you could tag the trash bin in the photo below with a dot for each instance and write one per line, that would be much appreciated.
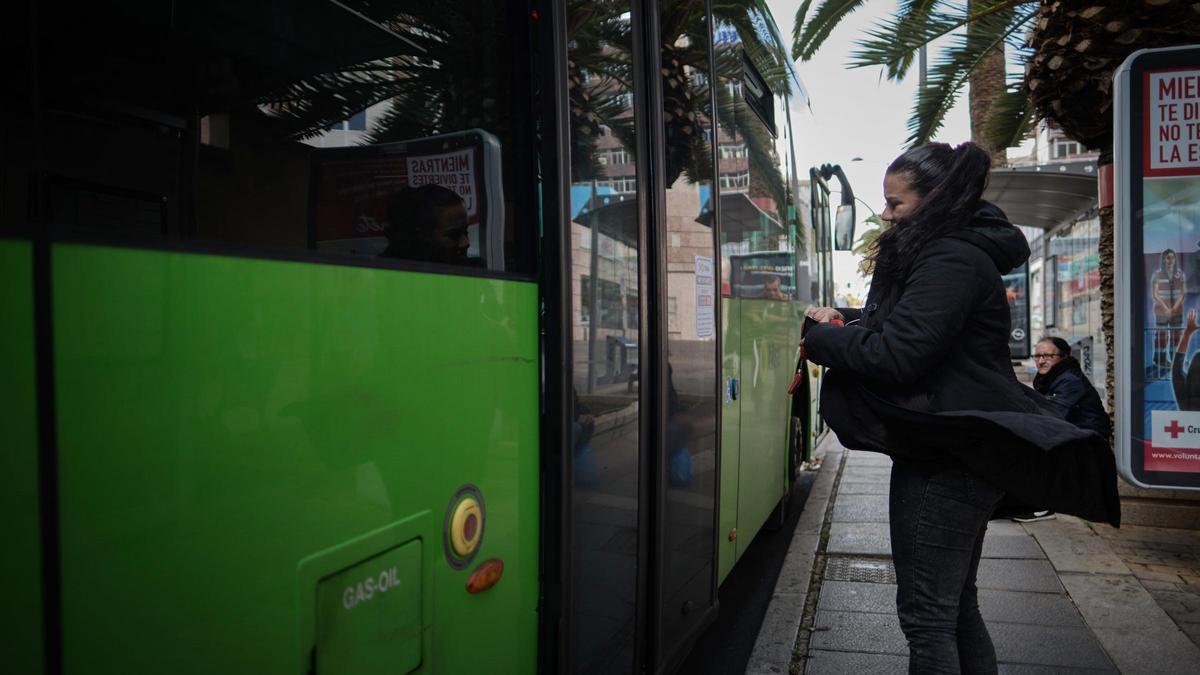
(617, 362)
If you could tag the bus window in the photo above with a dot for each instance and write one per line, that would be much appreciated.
(367, 131)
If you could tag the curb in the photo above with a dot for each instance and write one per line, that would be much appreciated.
(777, 636)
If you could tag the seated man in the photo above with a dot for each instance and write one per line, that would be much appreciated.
(427, 223)
(1061, 380)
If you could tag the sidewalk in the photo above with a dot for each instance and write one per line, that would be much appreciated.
(1059, 595)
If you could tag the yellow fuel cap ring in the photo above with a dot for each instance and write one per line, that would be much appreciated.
(462, 531)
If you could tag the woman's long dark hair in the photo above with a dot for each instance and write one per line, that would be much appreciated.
(950, 183)
(1162, 263)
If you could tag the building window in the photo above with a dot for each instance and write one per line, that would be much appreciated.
(740, 179)
(733, 150)
(1063, 149)
(611, 306)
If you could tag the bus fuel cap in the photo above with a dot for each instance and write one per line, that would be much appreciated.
(464, 525)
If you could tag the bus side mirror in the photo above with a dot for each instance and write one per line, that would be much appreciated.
(843, 228)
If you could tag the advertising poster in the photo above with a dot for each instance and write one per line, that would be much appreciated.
(353, 188)
(1158, 199)
(1016, 288)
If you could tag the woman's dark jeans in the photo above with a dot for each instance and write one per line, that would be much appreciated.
(938, 517)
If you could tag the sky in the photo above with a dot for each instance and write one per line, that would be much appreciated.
(857, 112)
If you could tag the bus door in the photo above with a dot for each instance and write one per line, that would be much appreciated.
(686, 278)
(639, 283)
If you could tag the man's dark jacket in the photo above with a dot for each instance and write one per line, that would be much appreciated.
(924, 372)
(1073, 396)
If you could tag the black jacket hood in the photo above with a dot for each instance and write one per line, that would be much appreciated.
(990, 230)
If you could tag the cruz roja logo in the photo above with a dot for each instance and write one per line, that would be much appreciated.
(1175, 429)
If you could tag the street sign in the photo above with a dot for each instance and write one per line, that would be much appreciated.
(1157, 209)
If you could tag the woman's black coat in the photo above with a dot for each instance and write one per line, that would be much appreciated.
(923, 371)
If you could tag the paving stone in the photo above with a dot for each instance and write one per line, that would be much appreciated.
(1036, 576)
(1192, 630)
(1146, 573)
(1142, 533)
(996, 527)
(860, 538)
(852, 663)
(1072, 546)
(1122, 615)
(1042, 609)
(865, 461)
(861, 509)
(1011, 546)
(867, 474)
(1153, 586)
(1180, 606)
(858, 632)
(1057, 646)
(856, 596)
(1027, 669)
(857, 488)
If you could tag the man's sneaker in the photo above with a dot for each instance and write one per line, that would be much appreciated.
(1034, 517)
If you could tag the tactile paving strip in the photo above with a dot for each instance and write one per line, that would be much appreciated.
(869, 570)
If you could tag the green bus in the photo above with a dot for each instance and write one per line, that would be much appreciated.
(365, 336)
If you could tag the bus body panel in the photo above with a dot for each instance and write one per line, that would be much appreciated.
(760, 338)
(731, 431)
(224, 422)
(22, 634)
(769, 335)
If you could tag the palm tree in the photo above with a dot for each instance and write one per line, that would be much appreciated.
(1072, 50)
(866, 266)
(978, 32)
(1076, 47)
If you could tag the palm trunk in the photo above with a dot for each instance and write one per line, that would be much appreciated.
(987, 84)
(1106, 307)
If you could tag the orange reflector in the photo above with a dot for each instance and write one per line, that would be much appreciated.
(485, 576)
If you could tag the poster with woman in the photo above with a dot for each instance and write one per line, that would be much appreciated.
(1157, 207)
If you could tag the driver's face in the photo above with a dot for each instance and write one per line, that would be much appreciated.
(449, 239)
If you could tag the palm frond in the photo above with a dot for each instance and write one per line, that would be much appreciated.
(798, 26)
(894, 43)
(826, 18)
(913, 14)
(1010, 117)
(953, 70)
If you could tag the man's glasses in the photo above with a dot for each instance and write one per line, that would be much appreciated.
(1043, 357)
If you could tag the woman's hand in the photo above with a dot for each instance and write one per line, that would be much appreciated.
(823, 314)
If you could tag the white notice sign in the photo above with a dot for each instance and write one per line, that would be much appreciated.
(705, 296)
